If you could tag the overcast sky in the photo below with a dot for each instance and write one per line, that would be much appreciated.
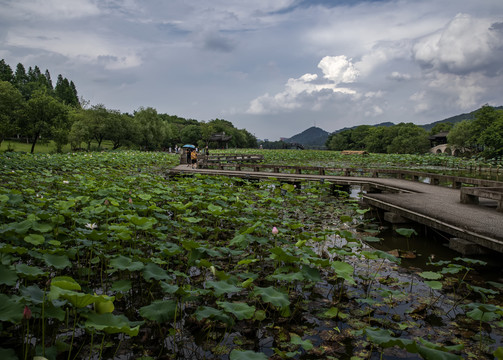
(273, 67)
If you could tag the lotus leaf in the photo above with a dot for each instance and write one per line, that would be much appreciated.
(160, 311)
(222, 287)
(10, 310)
(435, 285)
(33, 294)
(344, 271)
(273, 296)
(153, 271)
(121, 286)
(125, 263)
(7, 276)
(430, 275)
(30, 272)
(65, 282)
(206, 312)
(8, 354)
(57, 261)
(238, 309)
(112, 324)
(296, 340)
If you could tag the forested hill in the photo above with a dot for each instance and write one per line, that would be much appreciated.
(316, 137)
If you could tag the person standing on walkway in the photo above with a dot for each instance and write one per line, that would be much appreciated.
(193, 158)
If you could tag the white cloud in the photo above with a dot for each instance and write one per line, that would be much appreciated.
(466, 44)
(398, 76)
(51, 9)
(338, 69)
(79, 46)
(306, 91)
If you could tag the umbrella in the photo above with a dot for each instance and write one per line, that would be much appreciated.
(189, 146)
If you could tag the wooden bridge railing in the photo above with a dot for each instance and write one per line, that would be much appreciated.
(222, 158)
(435, 179)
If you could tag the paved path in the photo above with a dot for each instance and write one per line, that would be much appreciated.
(435, 206)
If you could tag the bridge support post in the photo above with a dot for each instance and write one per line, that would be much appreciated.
(395, 218)
(465, 247)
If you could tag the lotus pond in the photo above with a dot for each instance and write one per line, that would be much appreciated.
(104, 256)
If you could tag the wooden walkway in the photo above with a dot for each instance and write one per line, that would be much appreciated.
(438, 207)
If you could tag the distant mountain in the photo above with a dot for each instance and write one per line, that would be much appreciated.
(314, 137)
(353, 127)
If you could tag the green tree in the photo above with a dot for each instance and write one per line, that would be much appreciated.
(122, 129)
(376, 140)
(339, 141)
(461, 135)
(66, 91)
(410, 139)
(151, 132)
(358, 136)
(441, 127)
(11, 109)
(98, 118)
(44, 115)
(492, 137)
(80, 131)
(6, 73)
(191, 134)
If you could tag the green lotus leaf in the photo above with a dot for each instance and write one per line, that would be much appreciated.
(206, 312)
(435, 285)
(21, 227)
(430, 275)
(238, 309)
(222, 287)
(311, 274)
(34, 239)
(57, 261)
(153, 271)
(344, 271)
(33, 294)
(30, 272)
(125, 263)
(65, 282)
(215, 209)
(143, 223)
(77, 299)
(406, 232)
(160, 311)
(112, 324)
(4, 198)
(290, 277)
(192, 220)
(247, 355)
(10, 310)
(168, 288)
(7, 276)
(42, 227)
(273, 296)
(121, 286)
(297, 340)
(64, 204)
(8, 354)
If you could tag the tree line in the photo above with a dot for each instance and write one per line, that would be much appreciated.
(482, 135)
(32, 108)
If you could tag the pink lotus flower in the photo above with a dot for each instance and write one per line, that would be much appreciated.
(26, 313)
(130, 200)
(275, 230)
